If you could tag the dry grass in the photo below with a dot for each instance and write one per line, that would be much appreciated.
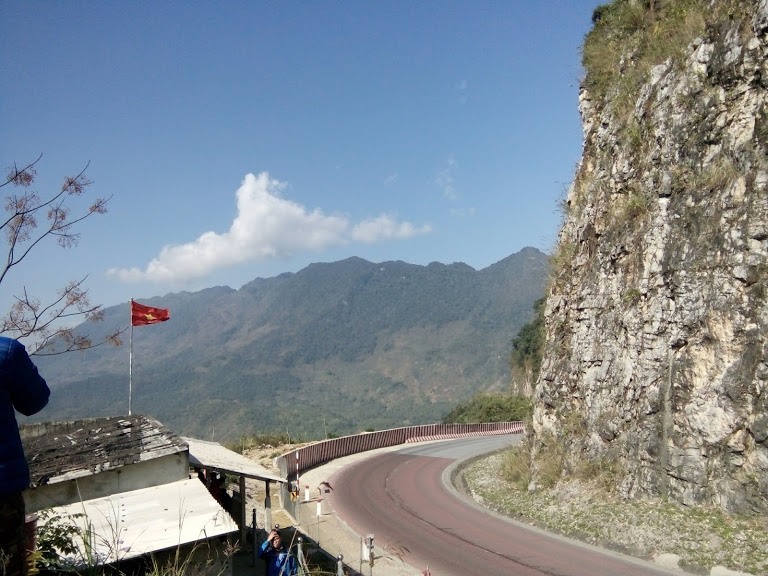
(632, 36)
(583, 509)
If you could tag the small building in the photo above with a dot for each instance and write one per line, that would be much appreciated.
(215, 458)
(75, 460)
(124, 481)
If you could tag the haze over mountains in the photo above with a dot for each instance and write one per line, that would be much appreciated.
(335, 348)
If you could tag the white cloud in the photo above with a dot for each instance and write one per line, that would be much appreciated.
(266, 226)
(462, 212)
(444, 179)
(385, 228)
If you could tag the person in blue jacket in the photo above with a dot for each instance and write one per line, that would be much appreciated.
(23, 389)
(280, 562)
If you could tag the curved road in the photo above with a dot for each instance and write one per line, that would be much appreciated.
(401, 498)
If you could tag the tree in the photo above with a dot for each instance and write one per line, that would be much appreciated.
(29, 219)
(490, 407)
(528, 346)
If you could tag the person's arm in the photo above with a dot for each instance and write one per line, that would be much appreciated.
(28, 390)
(264, 547)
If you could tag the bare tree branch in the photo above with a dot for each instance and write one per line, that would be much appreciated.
(27, 318)
(23, 177)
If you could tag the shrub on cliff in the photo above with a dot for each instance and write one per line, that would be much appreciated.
(485, 407)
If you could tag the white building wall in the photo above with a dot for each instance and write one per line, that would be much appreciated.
(82, 485)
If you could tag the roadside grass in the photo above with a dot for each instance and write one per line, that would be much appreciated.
(584, 510)
(250, 442)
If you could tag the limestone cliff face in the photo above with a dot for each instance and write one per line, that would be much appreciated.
(656, 354)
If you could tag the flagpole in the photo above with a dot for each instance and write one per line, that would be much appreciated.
(141, 316)
(130, 362)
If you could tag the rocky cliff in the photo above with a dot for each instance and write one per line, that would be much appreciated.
(656, 355)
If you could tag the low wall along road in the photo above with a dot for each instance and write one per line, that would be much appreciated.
(292, 463)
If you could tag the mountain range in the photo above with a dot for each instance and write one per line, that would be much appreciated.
(333, 349)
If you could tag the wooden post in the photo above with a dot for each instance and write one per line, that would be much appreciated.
(267, 508)
(243, 517)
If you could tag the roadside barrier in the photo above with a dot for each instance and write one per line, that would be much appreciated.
(292, 463)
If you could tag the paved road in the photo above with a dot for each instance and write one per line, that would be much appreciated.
(401, 497)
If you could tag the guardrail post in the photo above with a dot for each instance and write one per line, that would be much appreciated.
(255, 539)
(303, 568)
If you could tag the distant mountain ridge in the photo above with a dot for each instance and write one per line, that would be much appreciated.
(334, 348)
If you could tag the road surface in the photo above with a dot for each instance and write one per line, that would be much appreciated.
(401, 497)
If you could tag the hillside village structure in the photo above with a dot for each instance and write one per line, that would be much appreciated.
(126, 482)
(213, 457)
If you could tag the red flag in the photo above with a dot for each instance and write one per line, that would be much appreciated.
(142, 315)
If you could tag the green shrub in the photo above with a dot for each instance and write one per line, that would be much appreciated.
(487, 407)
(56, 537)
(550, 460)
(629, 37)
(631, 296)
(516, 466)
(528, 344)
(603, 472)
(561, 262)
(637, 206)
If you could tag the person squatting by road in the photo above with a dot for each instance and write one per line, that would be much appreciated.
(21, 388)
(280, 562)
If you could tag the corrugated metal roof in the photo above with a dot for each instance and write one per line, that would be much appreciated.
(64, 450)
(135, 523)
(205, 454)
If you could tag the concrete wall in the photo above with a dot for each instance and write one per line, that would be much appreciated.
(328, 450)
(156, 471)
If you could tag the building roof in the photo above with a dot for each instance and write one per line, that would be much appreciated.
(213, 455)
(64, 450)
(135, 523)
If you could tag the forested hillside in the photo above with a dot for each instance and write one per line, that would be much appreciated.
(332, 349)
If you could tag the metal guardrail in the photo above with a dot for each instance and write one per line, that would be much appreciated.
(294, 463)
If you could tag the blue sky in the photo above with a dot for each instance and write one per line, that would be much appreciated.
(245, 139)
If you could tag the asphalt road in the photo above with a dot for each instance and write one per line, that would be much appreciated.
(402, 498)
